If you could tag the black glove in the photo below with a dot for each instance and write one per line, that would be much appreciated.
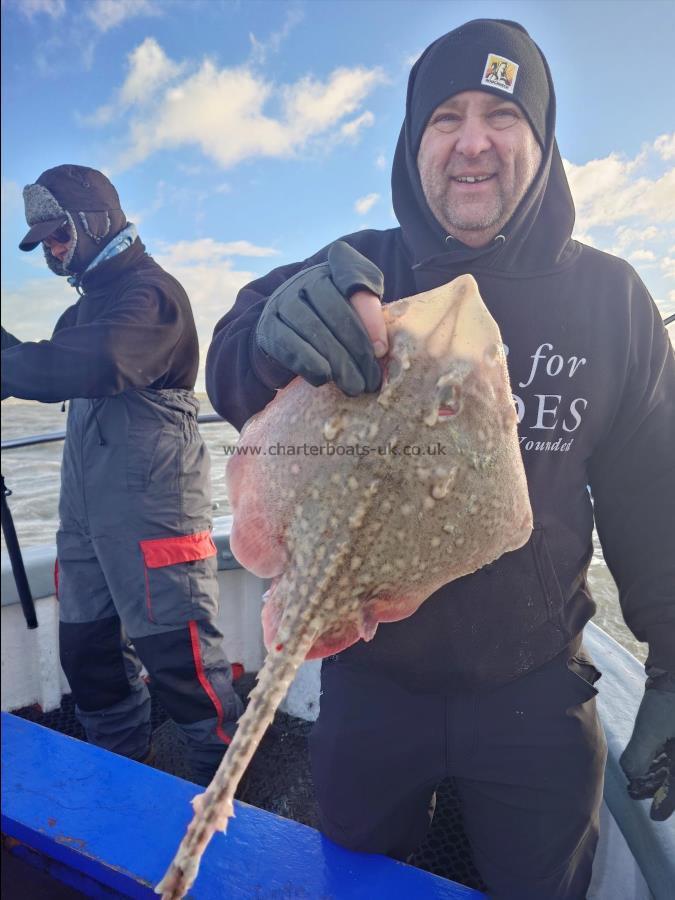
(309, 326)
(649, 758)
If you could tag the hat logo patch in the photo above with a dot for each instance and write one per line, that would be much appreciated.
(500, 73)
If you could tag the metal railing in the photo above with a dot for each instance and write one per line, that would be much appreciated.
(33, 440)
(50, 437)
(8, 530)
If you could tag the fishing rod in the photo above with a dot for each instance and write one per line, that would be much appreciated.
(16, 560)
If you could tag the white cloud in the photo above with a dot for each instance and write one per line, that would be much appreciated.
(643, 255)
(350, 130)
(11, 197)
(668, 266)
(135, 216)
(606, 192)
(625, 211)
(188, 169)
(206, 250)
(107, 14)
(27, 308)
(212, 283)
(665, 146)
(364, 204)
(225, 111)
(627, 207)
(628, 237)
(101, 116)
(212, 289)
(260, 49)
(312, 106)
(381, 161)
(31, 8)
(149, 69)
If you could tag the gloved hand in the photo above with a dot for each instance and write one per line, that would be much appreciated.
(649, 758)
(309, 326)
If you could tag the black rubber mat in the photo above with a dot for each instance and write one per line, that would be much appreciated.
(279, 780)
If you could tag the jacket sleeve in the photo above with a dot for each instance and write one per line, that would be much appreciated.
(240, 378)
(128, 346)
(8, 340)
(632, 477)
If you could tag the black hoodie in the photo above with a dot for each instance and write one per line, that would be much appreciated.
(593, 376)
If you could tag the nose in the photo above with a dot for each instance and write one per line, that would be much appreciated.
(56, 248)
(59, 251)
(473, 137)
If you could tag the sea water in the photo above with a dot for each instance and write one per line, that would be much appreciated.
(32, 474)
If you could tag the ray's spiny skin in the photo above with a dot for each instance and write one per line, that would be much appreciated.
(352, 539)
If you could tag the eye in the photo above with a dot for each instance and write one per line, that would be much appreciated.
(446, 121)
(503, 117)
(449, 400)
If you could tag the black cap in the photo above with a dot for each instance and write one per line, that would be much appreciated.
(40, 231)
(490, 55)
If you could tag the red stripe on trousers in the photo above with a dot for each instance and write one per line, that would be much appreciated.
(148, 598)
(167, 551)
(203, 680)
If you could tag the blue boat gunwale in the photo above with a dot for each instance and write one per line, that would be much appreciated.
(119, 823)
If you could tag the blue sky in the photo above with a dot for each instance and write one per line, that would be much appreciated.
(243, 134)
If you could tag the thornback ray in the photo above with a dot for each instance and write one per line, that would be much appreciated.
(358, 509)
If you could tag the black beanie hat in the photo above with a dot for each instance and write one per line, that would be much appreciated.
(490, 55)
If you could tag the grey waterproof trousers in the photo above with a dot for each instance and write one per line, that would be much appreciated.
(136, 576)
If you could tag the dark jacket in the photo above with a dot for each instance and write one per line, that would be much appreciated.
(593, 374)
(132, 328)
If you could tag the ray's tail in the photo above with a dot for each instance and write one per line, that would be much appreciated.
(214, 808)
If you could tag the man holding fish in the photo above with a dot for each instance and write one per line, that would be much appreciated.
(488, 680)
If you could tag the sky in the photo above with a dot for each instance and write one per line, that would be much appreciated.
(245, 134)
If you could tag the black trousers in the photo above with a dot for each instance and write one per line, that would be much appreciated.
(527, 758)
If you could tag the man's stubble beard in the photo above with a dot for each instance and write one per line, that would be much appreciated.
(494, 216)
(452, 217)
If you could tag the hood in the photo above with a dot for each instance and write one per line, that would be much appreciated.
(535, 239)
(84, 199)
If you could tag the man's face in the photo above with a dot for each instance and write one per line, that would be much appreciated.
(58, 242)
(476, 135)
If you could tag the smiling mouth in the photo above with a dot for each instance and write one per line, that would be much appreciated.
(471, 179)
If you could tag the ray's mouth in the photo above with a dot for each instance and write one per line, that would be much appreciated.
(447, 410)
